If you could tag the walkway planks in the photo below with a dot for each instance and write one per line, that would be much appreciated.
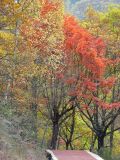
(73, 155)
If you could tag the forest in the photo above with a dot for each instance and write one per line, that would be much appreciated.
(59, 79)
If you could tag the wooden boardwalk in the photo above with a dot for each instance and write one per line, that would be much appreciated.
(72, 155)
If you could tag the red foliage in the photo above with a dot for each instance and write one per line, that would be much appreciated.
(70, 81)
(90, 49)
(59, 75)
(36, 30)
(89, 85)
(115, 105)
(108, 82)
(72, 93)
(85, 58)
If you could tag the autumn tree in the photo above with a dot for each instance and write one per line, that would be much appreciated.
(14, 63)
(106, 25)
(93, 89)
(66, 74)
(74, 134)
(76, 71)
(43, 35)
(12, 14)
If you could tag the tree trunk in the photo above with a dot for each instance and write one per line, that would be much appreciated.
(94, 137)
(112, 137)
(67, 145)
(34, 106)
(71, 147)
(55, 132)
(101, 137)
(72, 127)
(34, 121)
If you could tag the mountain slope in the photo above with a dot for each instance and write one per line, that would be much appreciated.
(78, 7)
(13, 148)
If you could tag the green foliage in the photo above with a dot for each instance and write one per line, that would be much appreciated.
(112, 18)
(106, 154)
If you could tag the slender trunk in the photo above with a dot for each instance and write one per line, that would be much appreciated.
(71, 147)
(67, 145)
(94, 137)
(112, 136)
(44, 134)
(58, 144)
(101, 137)
(34, 106)
(113, 124)
(7, 91)
(55, 133)
(34, 121)
(72, 127)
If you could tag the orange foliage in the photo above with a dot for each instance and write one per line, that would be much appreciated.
(107, 82)
(48, 7)
(36, 31)
(90, 48)
(70, 80)
(85, 51)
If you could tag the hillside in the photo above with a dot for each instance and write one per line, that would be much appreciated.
(78, 7)
(12, 147)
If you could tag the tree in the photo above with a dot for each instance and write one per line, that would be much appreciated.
(96, 24)
(64, 85)
(63, 78)
(64, 92)
(74, 134)
(43, 34)
(95, 87)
